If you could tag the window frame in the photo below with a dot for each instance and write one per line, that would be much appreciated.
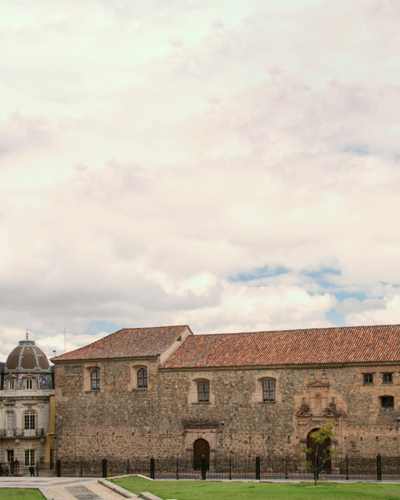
(203, 391)
(268, 389)
(29, 384)
(388, 376)
(95, 379)
(387, 399)
(10, 417)
(29, 420)
(142, 378)
(366, 377)
(29, 458)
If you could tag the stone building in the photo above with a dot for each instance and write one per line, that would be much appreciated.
(169, 393)
(26, 407)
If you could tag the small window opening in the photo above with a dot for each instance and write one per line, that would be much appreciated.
(142, 378)
(204, 392)
(95, 380)
(388, 378)
(269, 390)
(387, 401)
(368, 378)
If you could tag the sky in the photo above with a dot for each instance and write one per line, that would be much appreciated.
(230, 165)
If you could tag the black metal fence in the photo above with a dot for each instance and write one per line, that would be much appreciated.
(16, 468)
(341, 468)
(9, 468)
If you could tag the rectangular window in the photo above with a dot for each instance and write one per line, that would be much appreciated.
(29, 384)
(368, 378)
(29, 420)
(387, 402)
(95, 380)
(142, 378)
(10, 455)
(204, 392)
(10, 421)
(11, 385)
(29, 458)
(269, 390)
(387, 378)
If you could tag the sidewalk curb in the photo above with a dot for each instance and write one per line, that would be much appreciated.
(117, 489)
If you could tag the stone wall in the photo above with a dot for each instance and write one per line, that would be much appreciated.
(165, 420)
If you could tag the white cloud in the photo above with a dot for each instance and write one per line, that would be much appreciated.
(153, 153)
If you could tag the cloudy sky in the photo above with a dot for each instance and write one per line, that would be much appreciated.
(230, 165)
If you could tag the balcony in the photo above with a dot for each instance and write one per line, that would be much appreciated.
(33, 432)
(18, 433)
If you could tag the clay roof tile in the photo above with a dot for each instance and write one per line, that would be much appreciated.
(357, 344)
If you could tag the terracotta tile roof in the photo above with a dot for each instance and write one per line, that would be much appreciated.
(294, 347)
(128, 342)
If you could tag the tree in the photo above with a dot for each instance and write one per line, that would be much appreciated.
(319, 437)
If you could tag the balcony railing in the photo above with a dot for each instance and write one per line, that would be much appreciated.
(33, 432)
(16, 432)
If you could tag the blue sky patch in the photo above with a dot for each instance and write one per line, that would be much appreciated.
(262, 272)
(103, 326)
(335, 318)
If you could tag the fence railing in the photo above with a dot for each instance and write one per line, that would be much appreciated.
(9, 468)
(341, 468)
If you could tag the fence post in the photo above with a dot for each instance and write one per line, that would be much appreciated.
(16, 468)
(81, 468)
(379, 467)
(127, 467)
(258, 468)
(37, 468)
(286, 468)
(152, 467)
(203, 467)
(104, 467)
(347, 467)
(58, 468)
(177, 469)
(230, 467)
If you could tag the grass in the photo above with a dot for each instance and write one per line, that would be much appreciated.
(198, 490)
(23, 494)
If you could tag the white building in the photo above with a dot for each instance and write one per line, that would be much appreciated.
(26, 407)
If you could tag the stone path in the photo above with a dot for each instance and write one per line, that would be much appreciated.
(56, 488)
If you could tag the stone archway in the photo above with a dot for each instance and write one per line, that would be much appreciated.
(200, 448)
(320, 448)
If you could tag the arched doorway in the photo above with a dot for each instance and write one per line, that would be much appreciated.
(200, 448)
(319, 449)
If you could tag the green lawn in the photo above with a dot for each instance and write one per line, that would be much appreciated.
(209, 490)
(16, 493)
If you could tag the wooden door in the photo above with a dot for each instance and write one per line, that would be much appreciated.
(319, 448)
(200, 448)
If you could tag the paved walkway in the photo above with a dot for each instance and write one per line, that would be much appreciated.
(58, 488)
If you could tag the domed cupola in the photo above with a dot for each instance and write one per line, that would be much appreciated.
(27, 357)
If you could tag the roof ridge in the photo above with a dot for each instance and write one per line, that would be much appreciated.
(151, 327)
(296, 330)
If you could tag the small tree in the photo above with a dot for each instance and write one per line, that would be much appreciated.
(319, 437)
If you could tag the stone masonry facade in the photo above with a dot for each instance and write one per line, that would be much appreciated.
(166, 418)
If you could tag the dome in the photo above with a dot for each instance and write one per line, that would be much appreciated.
(27, 357)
